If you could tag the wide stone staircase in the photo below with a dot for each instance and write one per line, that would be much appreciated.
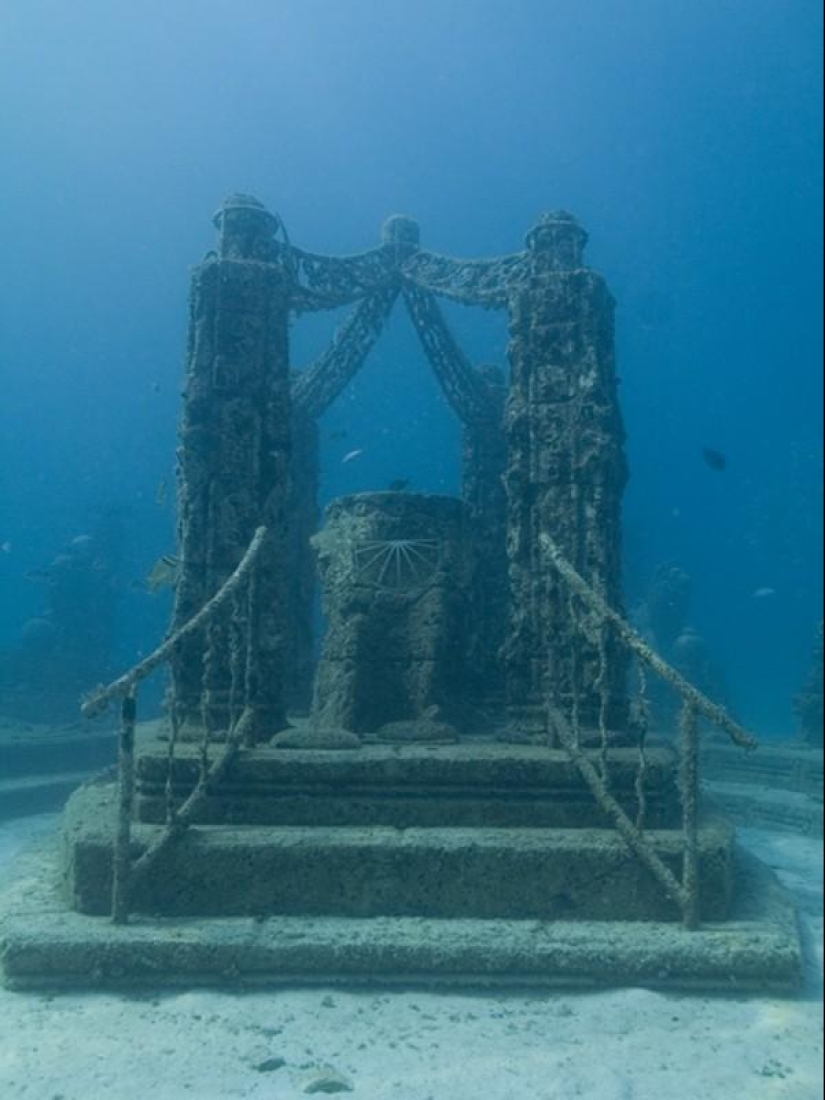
(476, 830)
(477, 863)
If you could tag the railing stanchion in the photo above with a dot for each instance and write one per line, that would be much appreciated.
(689, 782)
(121, 861)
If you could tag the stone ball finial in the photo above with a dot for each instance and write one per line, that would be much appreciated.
(401, 231)
(247, 229)
(237, 201)
(559, 235)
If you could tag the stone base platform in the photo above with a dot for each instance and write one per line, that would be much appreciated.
(41, 765)
(474, 784)
(44, 945)
(358, 871)
(777, 787)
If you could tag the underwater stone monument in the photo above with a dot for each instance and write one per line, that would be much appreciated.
(554, 840)
(547, 455)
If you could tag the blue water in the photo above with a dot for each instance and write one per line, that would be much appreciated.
(686, 136)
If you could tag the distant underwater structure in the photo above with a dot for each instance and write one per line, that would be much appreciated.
(476, 795)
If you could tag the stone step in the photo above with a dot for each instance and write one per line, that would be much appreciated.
(44, 945)
(471, 784)
(483, 873)
(775, 765)
(41, 751)
(749, 804)
(30, 795)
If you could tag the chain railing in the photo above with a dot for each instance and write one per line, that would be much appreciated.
(694, 705)
(234, 596)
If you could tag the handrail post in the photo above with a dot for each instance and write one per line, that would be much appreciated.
(121, 862)
(689, 782)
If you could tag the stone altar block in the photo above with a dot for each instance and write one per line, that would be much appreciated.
(396, 570)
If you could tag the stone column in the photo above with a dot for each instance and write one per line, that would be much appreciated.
(303, 515)
(233, 462)
(483, 461)
(565, 475)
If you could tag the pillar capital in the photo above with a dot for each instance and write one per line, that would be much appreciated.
(402, 233)
(247, 229)
(559, 239)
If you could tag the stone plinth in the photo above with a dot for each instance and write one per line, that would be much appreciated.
(356, 871)
(396, 570)
(44, 945)
(466, 785)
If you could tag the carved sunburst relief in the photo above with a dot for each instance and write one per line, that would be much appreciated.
(397, 565)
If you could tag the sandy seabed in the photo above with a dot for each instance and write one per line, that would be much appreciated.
(629, 1044)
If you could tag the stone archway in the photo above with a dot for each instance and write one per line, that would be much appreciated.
(249, 446)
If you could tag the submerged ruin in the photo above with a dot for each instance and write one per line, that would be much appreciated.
(475, 794)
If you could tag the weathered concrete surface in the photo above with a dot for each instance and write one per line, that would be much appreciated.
(40, 766)
(40, 750)
(469, 784)
(37, 794)
(778, 786)
(45, 945)
(483, 873)
(765, 808)
(791, 766)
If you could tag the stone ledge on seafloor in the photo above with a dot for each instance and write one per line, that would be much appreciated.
(440, 871)
(777, 787)
(473, 783)
(43, 945)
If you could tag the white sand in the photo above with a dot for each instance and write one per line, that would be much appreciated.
(621, 1045)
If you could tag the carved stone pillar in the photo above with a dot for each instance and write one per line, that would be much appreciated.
(301, 567)
(484, 459)
(565, 475)
(233, 464)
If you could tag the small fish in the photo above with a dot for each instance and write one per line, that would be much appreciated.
(165, 573)
(337, 434)
(715, 459)
(160, 495)
(37, 575)
(398, 485)
(350, 455)
(156, 387)
(764, 593)
(5, 547)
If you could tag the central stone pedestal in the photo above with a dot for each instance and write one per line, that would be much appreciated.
(396, 570)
